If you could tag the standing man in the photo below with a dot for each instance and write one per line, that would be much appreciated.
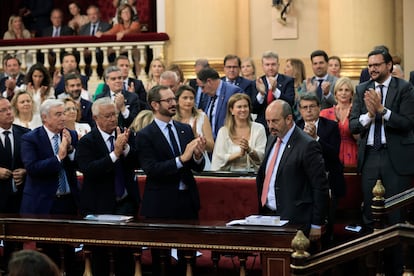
(12, 171)
(382, 113)
(232, 66)
(291, 181)
(272, 85)
(48, 156)
(11, 83)
(321, 83)
(218, 93)
(127, 104)
(106, 156)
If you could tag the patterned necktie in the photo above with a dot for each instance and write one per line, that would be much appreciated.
(269, 172)
(173, 141)
(119, 174)
(378, 124)
(62, 175)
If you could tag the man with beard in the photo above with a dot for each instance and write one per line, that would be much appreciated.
(168, 152)
(382, 113)
(73, 89)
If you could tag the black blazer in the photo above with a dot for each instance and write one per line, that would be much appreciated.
(139, 90)
(6, 190)
(301, 187)
(86, 115)
(98, 195)
(247, 86)
(131, 102)
(330, 141)
(412, 77)
(287, 89)
(158, 162)
(398, 129)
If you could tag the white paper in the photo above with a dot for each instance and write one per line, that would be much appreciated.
(113, 218)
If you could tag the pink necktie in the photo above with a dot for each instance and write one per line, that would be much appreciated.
(269, 171)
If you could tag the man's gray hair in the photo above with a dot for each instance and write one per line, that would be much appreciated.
(101, 101)
(167, 75)
(48, 104)
(109, 70)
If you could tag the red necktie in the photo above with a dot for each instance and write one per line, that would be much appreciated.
(269, 96)
(269, 171)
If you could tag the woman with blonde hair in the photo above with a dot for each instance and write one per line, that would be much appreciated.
(16, 29)
(344, 91)
(240, 143)
(156, 68)
(144, 118)
(248, 69)
(24, 110)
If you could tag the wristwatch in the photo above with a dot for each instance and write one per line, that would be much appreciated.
(384, 111)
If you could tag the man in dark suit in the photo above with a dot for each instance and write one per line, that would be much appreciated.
(272, 85)
(107, 159)
(168, 153)
(126, 103)
(321, 83)
(95, 24)
(291, 181)
(326, 132)
(57, 29)
(130, 84)
(73, 90)
(12, 171)
(412, 77)
(48, 156)
(382, 113)
(199, 99)
(232, 66)
(218, 93)
(14, 79)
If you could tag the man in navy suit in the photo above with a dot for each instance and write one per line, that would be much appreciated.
(272, 85)
(14, 79)
(57, 29)
(127, 103)
(73, 89)
(218, 93)
(107, 158)
(51, 183)
(294, 173)
(232, 66)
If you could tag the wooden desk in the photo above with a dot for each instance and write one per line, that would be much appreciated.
(272, 242)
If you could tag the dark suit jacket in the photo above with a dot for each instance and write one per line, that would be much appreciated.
(330, 141)
(64, 30)
(398, 129)
(163, 178)
(139, 90)
(412, 77)
(131, 102)
(19, 81)
(227, 90)
(43, 168)
(102, 27)
(6, 184)
(287, 93)
(364, 75)
(203, 97)
(247, 86)
(301, 187)
(60, 87)
(98, 190)
(86, 109)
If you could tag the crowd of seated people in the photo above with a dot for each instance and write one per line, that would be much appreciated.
(222, 119)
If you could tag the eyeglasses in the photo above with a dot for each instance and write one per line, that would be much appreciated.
(109, 116)
(309, 107)
(169, 100)
(6, 109)
(375, 65)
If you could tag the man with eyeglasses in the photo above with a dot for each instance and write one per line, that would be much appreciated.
(326, 132)
(127, 104)
(168, 152)
(106, 156)
(232, 66)
(383, 115)
(73, 90)
(321, 83)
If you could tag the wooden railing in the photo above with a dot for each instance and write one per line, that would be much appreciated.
(29, 50)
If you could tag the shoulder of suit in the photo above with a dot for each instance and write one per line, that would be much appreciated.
(20, 128)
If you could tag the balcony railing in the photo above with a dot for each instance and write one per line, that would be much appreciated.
(30, 50)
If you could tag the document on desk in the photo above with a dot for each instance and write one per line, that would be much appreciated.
(109, 218)
(259, 220)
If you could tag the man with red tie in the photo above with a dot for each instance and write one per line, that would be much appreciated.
(271, 86)
(291, 182)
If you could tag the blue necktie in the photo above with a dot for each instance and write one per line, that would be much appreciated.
(8, 148)
(173, 141)
(62, 175)
(319, 89)
(378, 123)
(119, 174)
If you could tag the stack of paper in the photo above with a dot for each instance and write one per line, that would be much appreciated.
(259, 220)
